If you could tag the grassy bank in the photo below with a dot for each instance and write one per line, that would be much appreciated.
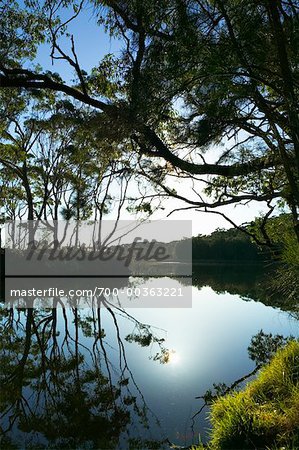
(265, 415)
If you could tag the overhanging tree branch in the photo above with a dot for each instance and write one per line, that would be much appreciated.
(22, 78)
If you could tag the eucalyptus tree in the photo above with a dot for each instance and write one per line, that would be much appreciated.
(191, 74)
(53, 166)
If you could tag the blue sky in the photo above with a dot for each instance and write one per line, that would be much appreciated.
(91, 44)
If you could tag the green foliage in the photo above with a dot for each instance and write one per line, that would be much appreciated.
(226, 245)
(170, 94)
(265, 413)
(263, 346)
(21, 31)
(261, 350)
(280, 247)
(105, 79)
(279, 230)
(52, 161)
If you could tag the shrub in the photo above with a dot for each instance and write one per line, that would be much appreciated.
(266, 413)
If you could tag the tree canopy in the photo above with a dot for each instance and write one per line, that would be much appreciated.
(191, 74)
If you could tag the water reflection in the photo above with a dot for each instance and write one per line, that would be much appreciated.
(173, 357)
(93, 379)
(249, 281)
(58, 392)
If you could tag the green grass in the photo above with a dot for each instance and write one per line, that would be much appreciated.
(265, 415)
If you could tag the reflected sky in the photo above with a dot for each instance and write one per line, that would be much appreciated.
(208, 344)
(204, 343)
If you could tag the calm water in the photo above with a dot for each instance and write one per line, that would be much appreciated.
(107, 380)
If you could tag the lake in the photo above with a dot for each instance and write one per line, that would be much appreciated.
(113, 378)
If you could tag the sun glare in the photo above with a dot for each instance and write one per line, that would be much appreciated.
(173, 357)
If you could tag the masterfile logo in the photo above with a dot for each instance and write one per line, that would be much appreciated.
(93, 255)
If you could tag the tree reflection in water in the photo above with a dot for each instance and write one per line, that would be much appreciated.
(58, 393)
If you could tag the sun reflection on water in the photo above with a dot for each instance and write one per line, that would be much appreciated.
(173, 357)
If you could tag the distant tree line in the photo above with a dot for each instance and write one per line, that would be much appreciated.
(224, 245)
(227, 245)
